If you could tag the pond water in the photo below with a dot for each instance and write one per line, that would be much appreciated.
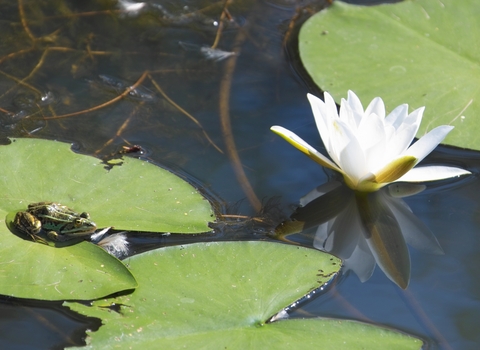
(206, 114)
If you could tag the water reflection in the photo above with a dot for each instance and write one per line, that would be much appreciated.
(207, 52)
(34, 324)
(367, 229)
(119, 86)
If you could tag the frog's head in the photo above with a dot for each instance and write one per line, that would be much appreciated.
(79, 225)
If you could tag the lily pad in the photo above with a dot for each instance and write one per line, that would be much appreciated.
(134, 196)
(419, 52)
(81, 271)
(220, 295)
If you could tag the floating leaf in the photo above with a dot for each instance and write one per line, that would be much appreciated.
(36, 271)
(220, 295)
(134, 196)
(417, 52)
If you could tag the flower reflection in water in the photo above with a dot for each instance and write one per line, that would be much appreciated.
(367, 229)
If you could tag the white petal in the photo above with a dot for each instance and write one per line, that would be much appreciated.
(427, 143)
(370, 131)
(324, 113)
(345, 113)
(399, 142)
(390, 131)
(303, 146)
(340, 136)
(353, 165)
(354, 102)
(350, 153)
(432, 173)
(397, 116)
(376, 107)
(354, 109)
(414, 119)
(330, 104)
(372, 138)
(352, 114)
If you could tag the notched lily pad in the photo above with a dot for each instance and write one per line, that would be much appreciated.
(220, 295)
(134, 196)
(417, 52)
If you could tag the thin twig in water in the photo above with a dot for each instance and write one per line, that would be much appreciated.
(420, 313)
(103, 105)
(20, 82)
(23, 81)
(220, 24)
(120, 130)
(5, 111)
(191, 117)
(224, 106)
(24, 21)
(14, 54)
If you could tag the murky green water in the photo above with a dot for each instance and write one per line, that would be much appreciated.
(77, 57)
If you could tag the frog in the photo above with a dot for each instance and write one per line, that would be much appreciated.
(59, 222)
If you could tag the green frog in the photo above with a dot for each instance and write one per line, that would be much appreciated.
(59, 222)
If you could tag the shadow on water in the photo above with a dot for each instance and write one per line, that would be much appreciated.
(41, 325)
(196, 88)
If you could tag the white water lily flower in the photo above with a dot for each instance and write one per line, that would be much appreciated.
(369, 149)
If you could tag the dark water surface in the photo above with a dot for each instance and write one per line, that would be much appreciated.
(71, 56)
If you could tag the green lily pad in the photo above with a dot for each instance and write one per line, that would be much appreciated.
(220, 295)
(422, 52)
(81, 271)
(134, 196)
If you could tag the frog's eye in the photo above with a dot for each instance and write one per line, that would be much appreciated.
(85, 215)
(78, 222)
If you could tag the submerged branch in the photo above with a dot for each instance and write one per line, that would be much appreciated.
(224, 109)
(103, 105)
(191, 117)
